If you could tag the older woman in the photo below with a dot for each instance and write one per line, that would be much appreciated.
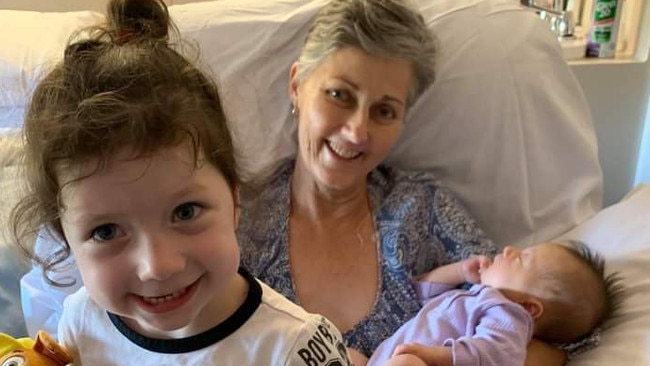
(335, 231)
(331, 230)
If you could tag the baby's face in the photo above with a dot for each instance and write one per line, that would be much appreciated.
(521, 270)
(154, 239)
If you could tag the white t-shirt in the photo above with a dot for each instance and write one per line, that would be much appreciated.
(267, 329)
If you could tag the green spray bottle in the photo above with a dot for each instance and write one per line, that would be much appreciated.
(603, 32)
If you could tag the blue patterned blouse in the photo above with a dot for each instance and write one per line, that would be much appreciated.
(420, 226)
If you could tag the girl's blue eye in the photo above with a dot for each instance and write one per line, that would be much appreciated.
(186, 212)
(105, 232)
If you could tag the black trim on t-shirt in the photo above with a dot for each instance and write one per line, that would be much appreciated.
(202, 340)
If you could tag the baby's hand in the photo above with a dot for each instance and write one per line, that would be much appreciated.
(472, 267)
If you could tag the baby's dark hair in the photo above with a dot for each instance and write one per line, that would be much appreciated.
(584, 298)
(120, 85)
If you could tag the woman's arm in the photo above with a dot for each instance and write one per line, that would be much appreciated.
(543, 354)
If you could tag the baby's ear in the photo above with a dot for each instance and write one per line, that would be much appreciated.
(533, 306)
(49, 348)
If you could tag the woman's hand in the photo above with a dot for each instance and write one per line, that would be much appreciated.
(543, 354)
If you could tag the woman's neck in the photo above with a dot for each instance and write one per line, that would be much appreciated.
(312, 201)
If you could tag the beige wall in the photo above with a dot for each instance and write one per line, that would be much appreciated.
(618, 99)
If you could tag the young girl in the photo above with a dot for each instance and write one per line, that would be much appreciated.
(131, 165)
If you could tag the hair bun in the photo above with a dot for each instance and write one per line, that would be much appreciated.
(130, 20)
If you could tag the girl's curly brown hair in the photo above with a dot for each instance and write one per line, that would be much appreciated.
(122, 85)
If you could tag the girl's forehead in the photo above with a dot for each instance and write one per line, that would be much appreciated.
(129, 158)
(127, 166)
(147, 179)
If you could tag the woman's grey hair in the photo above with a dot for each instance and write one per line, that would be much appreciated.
(390, 29)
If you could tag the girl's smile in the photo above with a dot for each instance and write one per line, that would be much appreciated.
(169, 302)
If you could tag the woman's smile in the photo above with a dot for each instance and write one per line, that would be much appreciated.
(342, 152)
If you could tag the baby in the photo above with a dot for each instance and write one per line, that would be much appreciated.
(551, 291)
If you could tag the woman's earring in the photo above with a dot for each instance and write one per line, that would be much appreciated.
(293, 110)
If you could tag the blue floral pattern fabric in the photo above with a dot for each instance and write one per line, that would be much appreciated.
(420, 226)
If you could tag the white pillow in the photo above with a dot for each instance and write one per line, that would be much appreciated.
(505, 126)
(250, 46)
(30, 42)
(621, 233)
